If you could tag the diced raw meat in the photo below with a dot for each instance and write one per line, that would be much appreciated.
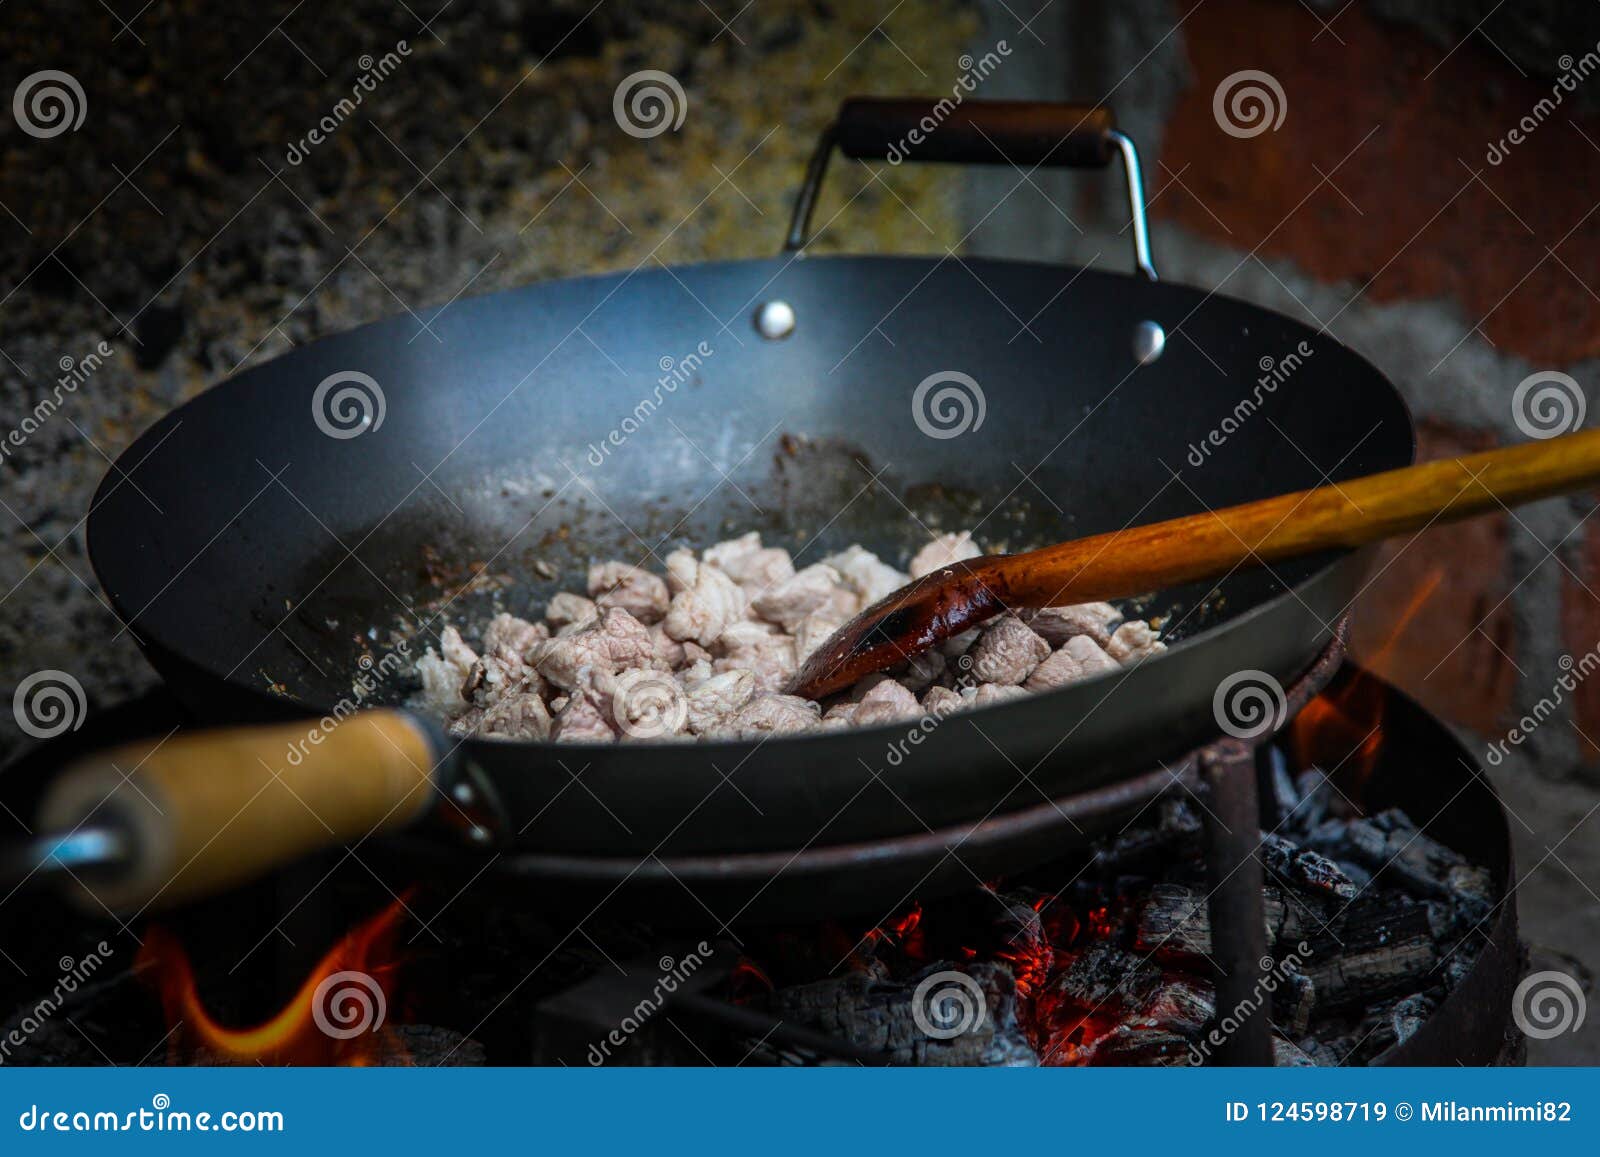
(444, 674)
(702, 612)
(682, 569)
(789, 602)
(521, 716)
(568, 610)
(866, 574)
(611, 643)
(941, 701)
(509, 633)
(1134, 641)
(583, 719)
(887, 702)
(714, 699)
(1007, 652)
(1078, 658)
(1058, 624)
(748, 563)
(642, 594)
(943, 551)
(771, 714)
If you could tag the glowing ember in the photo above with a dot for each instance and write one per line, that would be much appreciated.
(338, 1017)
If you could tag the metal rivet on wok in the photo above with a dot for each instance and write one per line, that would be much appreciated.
(1149, 339)
(775, 320)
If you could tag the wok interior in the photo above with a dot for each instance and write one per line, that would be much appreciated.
(514, 446)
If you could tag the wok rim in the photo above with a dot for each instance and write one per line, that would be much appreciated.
(291, 706)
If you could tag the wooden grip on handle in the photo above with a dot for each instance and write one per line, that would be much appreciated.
(212, 809)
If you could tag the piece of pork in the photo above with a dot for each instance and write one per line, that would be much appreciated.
(748, 563)
(443, 674)
(584, 718)
(942, 551)
(642, 594)
(611, 643)
(1007, 652)
(713, 700)
(1134, 641)
(682, 569)
(1058, 624)
(706, 609)
(520, 716)
(886, 702)
(569, 610)
(866, 574)
(790, 601)
(1079, 658)
(771, 714)
(766, 653)
(509, 633)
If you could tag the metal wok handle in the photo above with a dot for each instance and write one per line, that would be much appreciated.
(1031, 133)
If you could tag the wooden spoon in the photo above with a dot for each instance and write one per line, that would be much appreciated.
(1199, 546)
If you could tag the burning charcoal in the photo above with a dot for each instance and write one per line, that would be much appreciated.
(1136, 1044)
(1185, 1004)
(1310, 870)
(1175, 924)
(1390, 845)
(1174, 836)
(1104, 974)
(1472, 892)
(1385, 947)
(882, 1015)
(1286, 798)
(1321, 1053)
(1407, 1014)
(1286, 1055)
(1294, 1002)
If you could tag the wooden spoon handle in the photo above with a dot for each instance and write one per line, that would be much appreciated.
(1347, 514)
(1201, 546)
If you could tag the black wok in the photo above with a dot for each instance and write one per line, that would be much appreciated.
(260, 561)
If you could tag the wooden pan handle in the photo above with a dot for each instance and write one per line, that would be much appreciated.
(212, 809)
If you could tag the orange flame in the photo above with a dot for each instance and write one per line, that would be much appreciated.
(319, 1026)
(1341, 730)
